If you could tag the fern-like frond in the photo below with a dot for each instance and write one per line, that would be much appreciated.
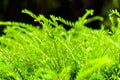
(65, 73)
(113, 21)
(55, 19)
(93, 66)
(84, 20)
(29, 13)
(9, 23)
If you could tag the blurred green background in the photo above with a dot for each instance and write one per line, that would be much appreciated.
(10, 10)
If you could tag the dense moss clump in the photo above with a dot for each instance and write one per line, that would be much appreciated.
(51, 52)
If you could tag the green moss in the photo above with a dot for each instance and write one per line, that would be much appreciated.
(53, 53)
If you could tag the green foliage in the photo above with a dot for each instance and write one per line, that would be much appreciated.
(92, 66)
(28, 52)
(114, 19)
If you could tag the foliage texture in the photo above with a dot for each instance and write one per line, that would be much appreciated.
(30, 52)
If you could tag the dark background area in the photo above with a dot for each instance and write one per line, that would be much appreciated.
(10, 10)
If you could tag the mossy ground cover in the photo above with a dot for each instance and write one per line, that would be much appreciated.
(29, 52)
